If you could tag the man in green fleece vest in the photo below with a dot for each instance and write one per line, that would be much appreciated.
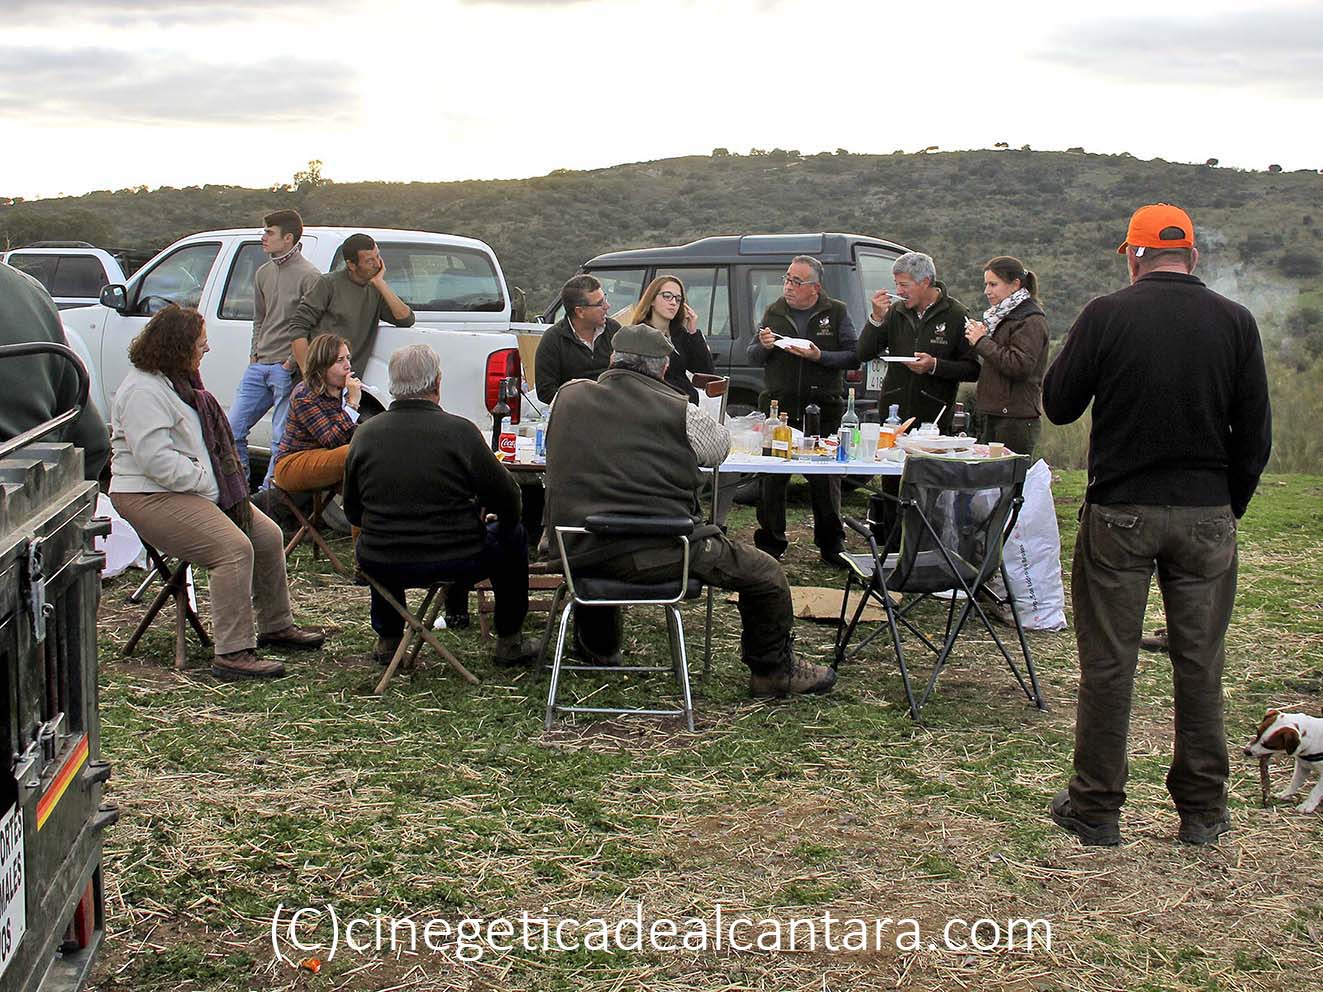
(647, 464)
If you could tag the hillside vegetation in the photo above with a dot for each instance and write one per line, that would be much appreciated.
(1260, 234)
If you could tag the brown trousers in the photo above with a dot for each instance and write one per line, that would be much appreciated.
(246, 570)
(1193, 549)
(311, 469)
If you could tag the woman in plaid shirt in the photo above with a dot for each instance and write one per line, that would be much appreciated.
(323, 412)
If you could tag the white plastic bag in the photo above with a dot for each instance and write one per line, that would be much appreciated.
(122, 546)
(1033, 556)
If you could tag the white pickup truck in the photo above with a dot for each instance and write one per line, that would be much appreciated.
(454, 285)
(73, 274)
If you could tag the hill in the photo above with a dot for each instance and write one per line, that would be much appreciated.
(1260, 234)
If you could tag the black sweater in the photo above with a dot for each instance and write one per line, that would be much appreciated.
(1180, 396)
(561, 356)
(417, 479)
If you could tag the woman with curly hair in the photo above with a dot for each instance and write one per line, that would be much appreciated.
(664, 306)
(176, 477)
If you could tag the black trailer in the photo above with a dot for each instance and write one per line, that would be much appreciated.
(51, 815)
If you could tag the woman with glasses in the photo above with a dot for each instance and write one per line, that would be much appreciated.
(664, 306)
(323, 412)
(176, 477)
(1011, 341)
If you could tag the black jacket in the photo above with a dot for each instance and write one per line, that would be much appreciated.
(417, 480)
(561, 356)
(691, 355)
(941, 334)
(1180, 395)
(793, 381)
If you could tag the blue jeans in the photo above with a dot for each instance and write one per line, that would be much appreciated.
(261, 388)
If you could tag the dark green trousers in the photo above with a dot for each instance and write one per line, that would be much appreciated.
(1193, 551)
(1020, 434)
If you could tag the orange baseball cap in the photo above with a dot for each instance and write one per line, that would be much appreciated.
(1158, 225)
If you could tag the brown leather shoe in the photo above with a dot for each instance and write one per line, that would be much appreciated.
(292, 637)
(245, 665)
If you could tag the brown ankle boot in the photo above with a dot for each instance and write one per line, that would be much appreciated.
(239, 665)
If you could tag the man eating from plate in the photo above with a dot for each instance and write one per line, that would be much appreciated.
(812, 371)
(923, 321)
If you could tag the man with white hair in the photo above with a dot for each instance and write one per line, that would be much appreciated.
(924, 321)
(419, 481)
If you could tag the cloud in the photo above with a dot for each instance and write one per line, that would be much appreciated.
(59, 86)
(1276, 47)
(171, 12)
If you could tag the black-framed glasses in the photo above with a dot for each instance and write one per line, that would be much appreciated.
(599, 305)
(798, 282)
(670, 297)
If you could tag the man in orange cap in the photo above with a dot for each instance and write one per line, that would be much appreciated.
(1181, 432)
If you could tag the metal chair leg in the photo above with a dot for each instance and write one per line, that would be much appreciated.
(555, 666)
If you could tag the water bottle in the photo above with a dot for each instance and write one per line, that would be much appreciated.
(850, 421)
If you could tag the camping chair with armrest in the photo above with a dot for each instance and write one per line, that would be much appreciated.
(585, 589)
(713, 393)
(953, 517)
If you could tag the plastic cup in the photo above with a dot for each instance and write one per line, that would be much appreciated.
(869, 435)
(996, 449)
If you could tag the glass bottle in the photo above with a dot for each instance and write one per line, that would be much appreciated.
(959, 421)
(769, 426)
(812, 416)
(850, 419)
(783, 438)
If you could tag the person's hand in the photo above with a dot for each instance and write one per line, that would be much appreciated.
(353, 391)
(812, 353)
(881, 305)
(379, 276)
(690, 320)
(975, 331)
(766, 337)
(923, 363)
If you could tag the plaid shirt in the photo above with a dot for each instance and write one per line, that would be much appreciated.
(319, 421)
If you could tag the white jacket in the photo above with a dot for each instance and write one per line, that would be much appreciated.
(156, 441)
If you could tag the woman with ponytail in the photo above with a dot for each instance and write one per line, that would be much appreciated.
(1011, 342)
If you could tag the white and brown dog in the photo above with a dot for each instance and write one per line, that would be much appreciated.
(1301, 737)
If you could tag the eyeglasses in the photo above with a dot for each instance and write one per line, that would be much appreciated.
(670, 297)
(797, 282)
(599, 305)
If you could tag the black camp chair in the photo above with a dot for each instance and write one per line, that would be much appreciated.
(952, 517)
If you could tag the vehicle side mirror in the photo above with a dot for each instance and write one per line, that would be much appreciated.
(116, 297)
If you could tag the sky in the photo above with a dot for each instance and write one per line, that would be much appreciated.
(108, 94)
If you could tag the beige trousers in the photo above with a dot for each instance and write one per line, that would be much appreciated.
(247, 571)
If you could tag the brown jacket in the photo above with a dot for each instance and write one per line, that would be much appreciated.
(1014, 360)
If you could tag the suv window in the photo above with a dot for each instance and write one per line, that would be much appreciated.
(708, 292)
(39, 267)
(765, 288)
(875, 274)
(79, 275)
(237, 303)
(437, 277)
(177, 278)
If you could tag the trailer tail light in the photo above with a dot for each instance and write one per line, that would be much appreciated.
(503, 364)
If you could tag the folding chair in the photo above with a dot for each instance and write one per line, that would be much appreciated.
(418, 628)
(174, 585)
(953, 516)
(588, 590)
(310, 525)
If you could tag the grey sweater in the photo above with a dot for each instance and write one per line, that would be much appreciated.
(277, 291)
(335, 304)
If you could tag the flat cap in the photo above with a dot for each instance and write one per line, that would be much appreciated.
(642, 339)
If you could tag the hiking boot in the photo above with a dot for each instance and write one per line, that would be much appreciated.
(613, 660)
(238, 665)
(1157, 641)
(385, 650)
(797, 677)
(1090, 834)
(514, 651)
(1207, 832)
(293, 636)
(833, 559)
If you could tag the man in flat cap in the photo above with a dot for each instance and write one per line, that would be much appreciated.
(629, 444)
(1181, 431)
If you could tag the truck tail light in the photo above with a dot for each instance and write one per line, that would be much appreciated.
(854, 376)
(503, 364)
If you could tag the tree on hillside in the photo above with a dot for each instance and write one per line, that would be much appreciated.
(720, 152)
(1274, 168)
(311, 177)
(1211, 161)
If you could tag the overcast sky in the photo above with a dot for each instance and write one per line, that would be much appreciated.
(104, 94)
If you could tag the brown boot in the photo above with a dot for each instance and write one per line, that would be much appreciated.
(245, 665)
(385, 650)
(1157, 641)
(797, 677)
(292, 637)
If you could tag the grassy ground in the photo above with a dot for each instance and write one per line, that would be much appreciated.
(445, 800)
